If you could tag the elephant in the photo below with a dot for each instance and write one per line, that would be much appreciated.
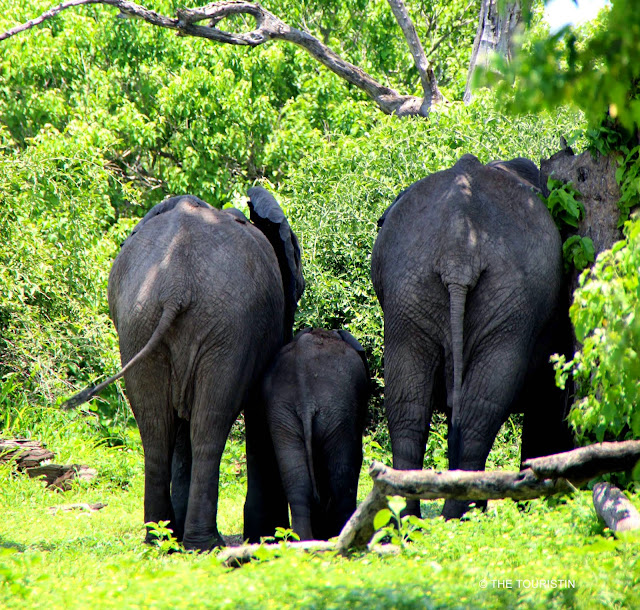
(202, 300)
(316, 396)
(468, 269)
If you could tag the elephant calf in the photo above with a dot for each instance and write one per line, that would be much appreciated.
(316, 397)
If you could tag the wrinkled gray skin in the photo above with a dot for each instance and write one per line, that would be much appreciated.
(468, 269)
(316, 397)
(201, 306)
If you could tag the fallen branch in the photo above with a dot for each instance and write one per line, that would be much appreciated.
(614, 508)
(234, 557)
(268, 27)
(555, 474)
(25, 453)
(581, 465)
(431, 485)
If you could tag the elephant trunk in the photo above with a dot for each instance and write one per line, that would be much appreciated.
(457, 302)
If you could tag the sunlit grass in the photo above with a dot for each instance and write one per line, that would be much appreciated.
(79, 559)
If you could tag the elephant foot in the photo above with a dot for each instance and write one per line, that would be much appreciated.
(455, 509)
(192, 543)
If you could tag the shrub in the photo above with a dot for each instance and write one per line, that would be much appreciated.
(606, 317)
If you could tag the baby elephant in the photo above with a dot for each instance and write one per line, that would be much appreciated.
(316, 397)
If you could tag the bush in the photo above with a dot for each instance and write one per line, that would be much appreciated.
(606, 317)
(59, 234)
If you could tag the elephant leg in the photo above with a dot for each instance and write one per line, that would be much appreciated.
(266, 506)
(492, 381)
(342, 460)
(149, 395)
(296, 479)
(181, 476)
(409, 379)
(216, 406)
(545, 430)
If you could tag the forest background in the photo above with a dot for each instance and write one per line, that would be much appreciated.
(101, 118)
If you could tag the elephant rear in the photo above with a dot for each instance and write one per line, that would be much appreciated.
(316, 395)
(198, 299)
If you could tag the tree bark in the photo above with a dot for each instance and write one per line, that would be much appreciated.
(268, 27)
(614, 508)
(595, 179)
(495, 34)
(428, 79)
(583, 464)
(26, 453)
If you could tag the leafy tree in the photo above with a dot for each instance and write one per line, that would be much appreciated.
(599, 73)
(268, 26)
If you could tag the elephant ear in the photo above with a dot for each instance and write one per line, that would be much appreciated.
(384, 216)
(524, 170)
(304, 331)
(267, 215)
(237, 214)
(347, 337)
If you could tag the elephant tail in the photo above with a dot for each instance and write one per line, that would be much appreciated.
(307, 430)
(169, 314)
(457, 303)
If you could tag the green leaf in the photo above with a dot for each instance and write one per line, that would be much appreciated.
(382, 518)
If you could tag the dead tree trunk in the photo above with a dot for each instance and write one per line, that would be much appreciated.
(496, 27)
(595, 179)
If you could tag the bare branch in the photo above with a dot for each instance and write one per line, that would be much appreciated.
(126, 9)
(432, 94)
(268, 27)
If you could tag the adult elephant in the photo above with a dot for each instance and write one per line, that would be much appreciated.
(316, 397)
(468, 269)
(202, 300)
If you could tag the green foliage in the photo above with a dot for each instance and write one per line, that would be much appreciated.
(563, 204)
(605, 315)
(628, 177)
(578, 252)
(597, 68)
(59, 234)
(567, 211)
(390, 525)
(164, 542)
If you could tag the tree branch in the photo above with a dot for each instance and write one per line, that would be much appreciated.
(614, 508)
(432, 94)
(268, 27)
(582, 464)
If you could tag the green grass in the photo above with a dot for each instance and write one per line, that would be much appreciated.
(78, 560)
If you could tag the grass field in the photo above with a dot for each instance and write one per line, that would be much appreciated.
(550, 554)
